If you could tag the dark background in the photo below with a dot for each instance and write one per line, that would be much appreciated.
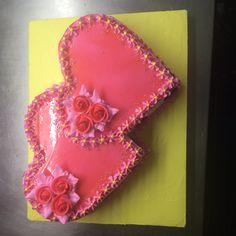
(220, 207)
(211, 89)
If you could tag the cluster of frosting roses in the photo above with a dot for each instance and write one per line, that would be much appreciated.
(54, 195)
(88, 113)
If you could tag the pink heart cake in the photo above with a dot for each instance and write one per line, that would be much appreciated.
(79, 130)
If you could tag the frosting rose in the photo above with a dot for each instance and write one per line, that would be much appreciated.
(81, 104)
(99, 113)
(55, 195)
(61, 205)
(84, 124)
(60, 185)
(86, 114)
(43, 195)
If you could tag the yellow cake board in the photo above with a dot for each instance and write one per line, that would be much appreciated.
(155, 193)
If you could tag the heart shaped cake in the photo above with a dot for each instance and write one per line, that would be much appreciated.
(79, 130)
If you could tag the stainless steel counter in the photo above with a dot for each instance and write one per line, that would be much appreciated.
(14, 18)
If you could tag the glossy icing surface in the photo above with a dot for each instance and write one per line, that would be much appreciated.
(103, 55)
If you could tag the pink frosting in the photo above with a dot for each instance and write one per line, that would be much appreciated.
(65, 182)
(83, 123)
(104, 64)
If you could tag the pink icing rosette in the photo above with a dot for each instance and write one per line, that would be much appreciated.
(88, 113)
(54, 195)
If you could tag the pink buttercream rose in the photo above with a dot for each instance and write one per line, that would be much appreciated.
(84, 124)
(99, 113)
(43, 195)
(81, 104)
(61, 205)
(60, 185)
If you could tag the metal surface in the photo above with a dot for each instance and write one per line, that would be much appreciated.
(14, 18)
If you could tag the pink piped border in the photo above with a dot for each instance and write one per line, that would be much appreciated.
(59, 92)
